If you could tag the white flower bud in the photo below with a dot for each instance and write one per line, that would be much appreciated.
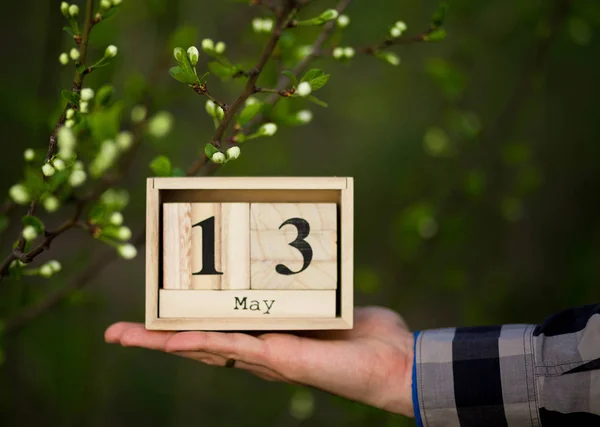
(257, 25)
(105, 4)
(220, 113)
(193, 55)
(395, 32)
(268, 129)
(46, 271)
(78, 165)
(54, 265)
(111, 51)
(391, 58)
(178, 54)
(70, 113)
(48, 169)
(401, 26)
(338, 52)
(29, 154)
(73, 10)
(218, 158)
(138, 113)
(160, 125)
(87, 94)
(19, 194)
(329, 15)
(69, 123)
(343, 21)
(208, 45)
(59, 164)
(84, 107)
(116, 218)
(117, 2)
(64, 9)
(77, 178)
(63, 58)
(127, 251)
(124, 233)
(304, 116)
(51, 204)
(267, 25)
(125, 140)
(220, 47)
(29, 233)
(66, 142)
(251, 100)
(233, 152)
(349, 52)
(74, 54)
(304, 51)
(211, 108)
(304, 89)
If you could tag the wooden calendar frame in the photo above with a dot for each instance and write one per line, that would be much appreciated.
(250, 190)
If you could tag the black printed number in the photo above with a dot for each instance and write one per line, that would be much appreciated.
(299, 243)
(208, 247)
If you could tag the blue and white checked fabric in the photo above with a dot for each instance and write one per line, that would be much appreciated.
(511, 375)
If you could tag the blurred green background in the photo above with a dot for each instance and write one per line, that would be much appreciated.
(477, 184)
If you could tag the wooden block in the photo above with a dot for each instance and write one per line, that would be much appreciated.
(251, 304)
(293, 246)
(206, 246)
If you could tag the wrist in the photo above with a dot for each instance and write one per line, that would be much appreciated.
(397, 396)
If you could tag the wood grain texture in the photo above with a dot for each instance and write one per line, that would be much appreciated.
(183, 246)
(152, 252)
(247, 304)
(271, 246)
(347, 253)
(177, 246)
(251, 183)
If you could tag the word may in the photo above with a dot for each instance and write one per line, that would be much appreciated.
(254, 304)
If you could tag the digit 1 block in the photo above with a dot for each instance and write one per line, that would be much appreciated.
(293, 246)
(206, 246)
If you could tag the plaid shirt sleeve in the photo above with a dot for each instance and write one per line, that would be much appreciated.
(511, 375)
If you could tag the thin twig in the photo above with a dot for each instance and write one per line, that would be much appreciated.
(201, 89)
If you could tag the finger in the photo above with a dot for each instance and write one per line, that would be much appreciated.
(114, 332)
(138, 336)
(203, 357)
(230, 345)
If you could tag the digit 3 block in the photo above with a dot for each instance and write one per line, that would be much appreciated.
(249, 253)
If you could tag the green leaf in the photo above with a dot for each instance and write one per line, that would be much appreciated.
(34, 181)
(437, 20)
(316, 78)
(161, 166)
(436, 35)
(186, 65)
(69, 31)
(178, 172)
(249, 112)
(4, 221)
(210, 149)
(104, 95)
(105, 123)
(317, 101)
(109, 13)
(182, 76)
(35, 222)
(291, 76)
(221, 71)
(311, 74)
(98, 213)
(81, 68)
(70, 96)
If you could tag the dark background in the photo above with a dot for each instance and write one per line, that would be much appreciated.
(477, 183)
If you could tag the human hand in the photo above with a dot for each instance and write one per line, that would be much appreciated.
(371, 363)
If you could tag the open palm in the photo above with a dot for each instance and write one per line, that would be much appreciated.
(370, 363)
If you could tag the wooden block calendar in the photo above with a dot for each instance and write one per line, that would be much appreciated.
(249, 253)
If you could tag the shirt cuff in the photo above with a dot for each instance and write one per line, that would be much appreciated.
(477, 376)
